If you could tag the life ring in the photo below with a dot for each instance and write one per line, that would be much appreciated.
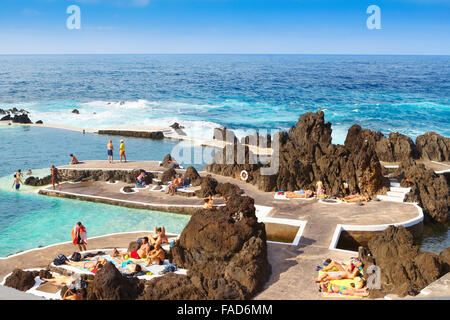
(244, 175)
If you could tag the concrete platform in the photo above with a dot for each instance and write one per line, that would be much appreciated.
(293, 266)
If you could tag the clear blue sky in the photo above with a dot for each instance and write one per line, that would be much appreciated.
(225, 26)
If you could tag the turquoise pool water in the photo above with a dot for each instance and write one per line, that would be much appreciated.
(29, 220)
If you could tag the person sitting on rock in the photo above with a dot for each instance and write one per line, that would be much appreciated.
(177, 182)
(159, 236)
(141, 179)
(74, 159)
(157, 255)
(209, 202)
(140, 253)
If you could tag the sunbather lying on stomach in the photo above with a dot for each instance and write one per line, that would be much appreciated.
(357, 291)
(355, 198)
(158, 255)
(91, 265)
(300, 194)
(60, 280)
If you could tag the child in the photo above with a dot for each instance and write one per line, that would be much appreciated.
(16, 182)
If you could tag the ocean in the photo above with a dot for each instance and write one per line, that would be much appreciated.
(406, 94)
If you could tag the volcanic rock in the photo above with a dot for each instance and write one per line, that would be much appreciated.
(6, 118)
(21, 118)
(433, 146)
(208, 187)
(168, 175)
(21, 280)
(37, 182)
(404, 269)
(306, 156)
(228, 189)
(169, 162)
(194, 177)
(109, 284)
(225, 251)
(428, 189)
(75, 111)
(39, 122)
(171, 287)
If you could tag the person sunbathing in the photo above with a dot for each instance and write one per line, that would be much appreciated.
(136, 254)
(177, 182)
(354, 263)
(91, 265)
(60, 280)
(73, 295)
(157, 255)
(338, 275)
(74, 159)
(133, 268)
(320, 191)
(354, 198)
(159, 236)
(301, 194)
(209, 202)
(359, 289)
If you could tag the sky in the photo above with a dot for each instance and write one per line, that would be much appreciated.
(225, 27)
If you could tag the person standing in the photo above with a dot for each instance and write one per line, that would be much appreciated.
(110, 148)
(122, 151)
(54, 176)
(79, 236)
(16, 182)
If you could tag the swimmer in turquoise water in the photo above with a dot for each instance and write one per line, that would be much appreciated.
(17, 182)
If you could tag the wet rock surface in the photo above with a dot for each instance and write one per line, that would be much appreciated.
(404, 270)
(37, 182)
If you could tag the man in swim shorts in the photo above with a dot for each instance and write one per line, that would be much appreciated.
(157, 255)
(16, 182)
(54, 176)
(140, 253)
(110, 148)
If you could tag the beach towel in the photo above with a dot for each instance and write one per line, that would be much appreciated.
(79, 231)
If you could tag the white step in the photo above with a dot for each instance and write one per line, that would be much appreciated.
(389, 198)
(396, 194)
(395, 184)
(399, 189)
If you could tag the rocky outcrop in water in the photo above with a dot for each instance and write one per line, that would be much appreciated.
(306, 156)
(155, 135)
(38, 182)
(433, 146)
(428, 189)
(225, 251)
(404, 269)
(169, 162)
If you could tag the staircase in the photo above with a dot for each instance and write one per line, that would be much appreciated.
(395, 193)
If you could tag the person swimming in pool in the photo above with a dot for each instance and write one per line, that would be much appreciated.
(16, 182)
(29, 173)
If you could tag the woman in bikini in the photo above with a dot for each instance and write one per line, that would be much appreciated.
(359, 289)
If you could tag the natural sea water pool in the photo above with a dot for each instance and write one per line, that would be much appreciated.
(29, 220)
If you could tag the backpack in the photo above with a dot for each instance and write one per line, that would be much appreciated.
(76, 256)
(59, 260)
